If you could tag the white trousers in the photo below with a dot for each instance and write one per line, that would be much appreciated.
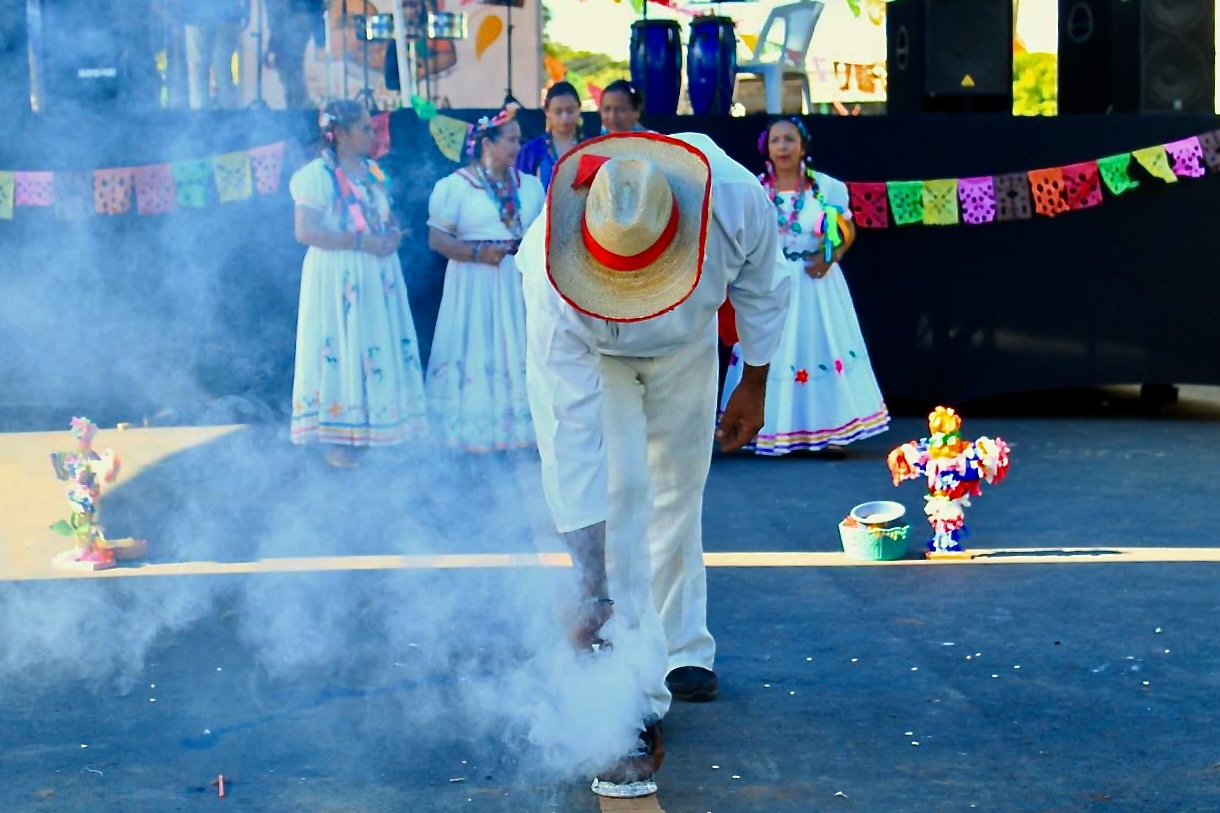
(658, 418)
(209, 52)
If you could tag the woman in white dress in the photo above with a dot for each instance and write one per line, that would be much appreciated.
(357, 381)
(476, 218)
(821, 391)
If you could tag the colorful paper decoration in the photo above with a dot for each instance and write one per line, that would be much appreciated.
(155, 190)
(1187, 156)
(1211, 149)
(953, 470)
(423, 108)
(73, 195)
(449, 135)
(268, 166)
(1115, 173)
(940, 202)
(8, 192)
(34, 188)
(192, 179)
(1012, 201)
(869, 205)
(112, 191)
(906, 201)
(1156, 162)
(233, 176)
(977, 197)
(1049, 191)
(1083, 185)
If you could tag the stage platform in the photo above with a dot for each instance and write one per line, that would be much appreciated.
(201, 305)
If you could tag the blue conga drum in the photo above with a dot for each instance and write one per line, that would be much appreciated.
(656, 64)
(711, 65)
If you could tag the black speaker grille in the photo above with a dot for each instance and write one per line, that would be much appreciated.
(968, 45)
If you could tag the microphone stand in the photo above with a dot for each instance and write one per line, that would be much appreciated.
(259, 103)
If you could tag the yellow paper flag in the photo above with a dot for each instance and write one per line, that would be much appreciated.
(1156, 162)
(449, 135)
(233, 177)
(940, 202)
(7, 187)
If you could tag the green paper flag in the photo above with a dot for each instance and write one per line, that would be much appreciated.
(1114, 173)
(8, 186)
(906, 201)
(940, 202)
(1156, 162)
(192, 179)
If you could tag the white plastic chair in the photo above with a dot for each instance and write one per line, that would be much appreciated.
(775, 62)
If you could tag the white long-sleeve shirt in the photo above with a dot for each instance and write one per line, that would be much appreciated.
(564, 345)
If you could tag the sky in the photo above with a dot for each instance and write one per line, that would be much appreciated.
(604, 26)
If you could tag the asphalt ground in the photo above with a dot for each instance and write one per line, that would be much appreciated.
(386, 639)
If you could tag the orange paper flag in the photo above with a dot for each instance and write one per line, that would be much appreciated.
(1050, 198)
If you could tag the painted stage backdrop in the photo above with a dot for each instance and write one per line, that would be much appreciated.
(467, 73)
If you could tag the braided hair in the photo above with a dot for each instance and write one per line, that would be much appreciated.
(490, 128)
(806, 148)
(335, 116)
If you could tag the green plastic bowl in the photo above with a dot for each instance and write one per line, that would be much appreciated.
(874, 544)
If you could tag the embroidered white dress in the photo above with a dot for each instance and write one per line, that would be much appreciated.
(821, 390)
(476, 372)
(358, 380)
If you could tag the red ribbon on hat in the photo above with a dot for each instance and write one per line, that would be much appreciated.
(586, 170)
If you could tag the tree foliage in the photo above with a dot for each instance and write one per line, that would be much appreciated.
(584, 67)
(1035, 86)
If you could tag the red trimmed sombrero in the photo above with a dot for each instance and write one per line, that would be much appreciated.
(627, 225)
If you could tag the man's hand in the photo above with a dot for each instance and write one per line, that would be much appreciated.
(591, 615)
(744, 414)
(594, 607)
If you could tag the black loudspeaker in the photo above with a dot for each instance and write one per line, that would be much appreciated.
(14, 56)
(95, 52)
(1137, 56)
(81, 58)
(949, 56)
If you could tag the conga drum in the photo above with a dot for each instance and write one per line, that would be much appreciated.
(711, 65)
(656, 64)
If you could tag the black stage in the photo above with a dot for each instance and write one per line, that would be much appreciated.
(156, 312)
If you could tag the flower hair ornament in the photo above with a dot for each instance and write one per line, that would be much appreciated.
(325, 122)
(484, 124)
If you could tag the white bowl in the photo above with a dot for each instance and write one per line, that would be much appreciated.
(879, 514)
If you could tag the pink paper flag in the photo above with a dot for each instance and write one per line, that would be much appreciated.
(156, 193)
(977, 196)
(35, 188)
(268, 166)
(1187, 157)
(381, 135)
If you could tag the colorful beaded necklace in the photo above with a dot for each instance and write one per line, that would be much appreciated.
(789, 225)
(357, 206)
(504, 194)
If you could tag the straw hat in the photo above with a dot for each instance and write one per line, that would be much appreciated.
(627, 225)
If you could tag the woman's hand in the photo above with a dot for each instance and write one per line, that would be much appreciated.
(492, 253)
(817, 267)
